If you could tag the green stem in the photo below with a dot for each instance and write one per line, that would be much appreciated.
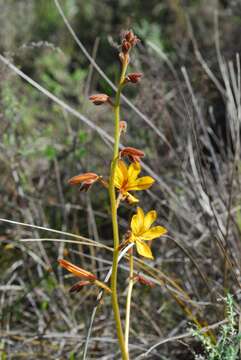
(128, 299)
(115, 227)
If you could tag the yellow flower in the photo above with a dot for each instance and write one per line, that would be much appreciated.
(142, 231)
(126, 179)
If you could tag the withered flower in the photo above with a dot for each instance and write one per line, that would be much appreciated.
(133, 77)
(100, 99)
(86, 180)
(132, 153)
(90, 279)
(144, 281)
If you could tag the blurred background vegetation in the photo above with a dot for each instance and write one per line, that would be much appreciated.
(42, 146)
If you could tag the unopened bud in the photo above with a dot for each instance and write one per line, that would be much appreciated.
(76, 270)
(123, 127)
(86, 180)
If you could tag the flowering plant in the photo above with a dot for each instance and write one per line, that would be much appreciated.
(123, 181)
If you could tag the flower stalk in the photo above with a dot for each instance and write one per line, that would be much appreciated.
(128, 299)
(114, 207)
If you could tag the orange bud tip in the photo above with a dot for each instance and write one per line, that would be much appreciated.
(99, 99)
(77, 271)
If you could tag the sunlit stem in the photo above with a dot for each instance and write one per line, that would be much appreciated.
(114, 207)
(128, 299)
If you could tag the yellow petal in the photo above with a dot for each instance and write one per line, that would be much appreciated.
(131, 238)
(137, 222)
(153, 233)
(149, 219)
(143, 249)
(118, 179)
(133, 171)
(120, 174)
(140, 184)
(130, 198)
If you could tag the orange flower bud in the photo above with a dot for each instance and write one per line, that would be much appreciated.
(83, 178)
(76, 270)
(133, 154)
(86, 180)
(133, 77)
(99, 99)
(91, 279)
